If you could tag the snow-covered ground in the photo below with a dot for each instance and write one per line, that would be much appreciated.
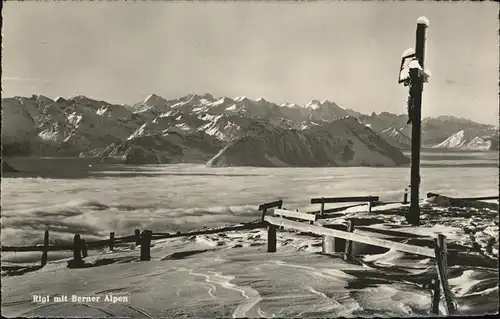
(232, 275)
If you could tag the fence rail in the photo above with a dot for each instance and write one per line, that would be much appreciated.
(320, 230)
(307, 224)
(330, 200)
(128, 239)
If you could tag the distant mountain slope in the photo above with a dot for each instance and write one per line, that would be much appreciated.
(435, 131)
(63, 127)
(343, 142)
(19, 129)
(438, 129)
(6, 168)
(168, 148)
(467, 141)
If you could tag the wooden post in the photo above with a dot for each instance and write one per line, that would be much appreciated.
(111, 240)
(331, 244)
(45, 248)
(146, 245)
(328, 245)
(271, 238)
(322, 209)
(77, 250)
(416, 91)
(83, 244)
(436, 295)
(442, 268)
(264, 212)
(370, 205)
(348, 243)
(280, 206)
(137, 237)
(405, 196)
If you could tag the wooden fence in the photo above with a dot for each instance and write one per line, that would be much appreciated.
(281, 218)
(439, 284)
(80, 247)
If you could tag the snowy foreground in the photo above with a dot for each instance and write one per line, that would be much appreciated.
(232, 275)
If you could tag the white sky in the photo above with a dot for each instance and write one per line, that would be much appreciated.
(347, 52)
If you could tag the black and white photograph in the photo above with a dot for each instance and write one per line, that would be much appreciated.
(249, 159)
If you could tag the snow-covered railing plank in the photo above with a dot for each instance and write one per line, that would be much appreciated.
(319, 230)
(463, 198)
(292, 214)
(208, 231)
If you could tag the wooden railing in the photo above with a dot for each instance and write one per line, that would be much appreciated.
(280, 218)
(80, 246)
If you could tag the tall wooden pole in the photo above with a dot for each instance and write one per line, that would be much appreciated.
(416, 129)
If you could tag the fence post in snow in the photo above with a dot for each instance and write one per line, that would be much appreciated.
(45, 248)
(83, 244)
(442, 268)
(348, 243)
(111, 240)
(77, 251)
(137, 237)
(332, 244)
(146, 245)
(271, 238)
(264, 212)
(405, 196)
(436, 295)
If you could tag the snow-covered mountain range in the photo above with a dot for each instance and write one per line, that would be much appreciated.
(197, 128)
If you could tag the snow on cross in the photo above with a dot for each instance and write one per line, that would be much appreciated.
(408, 53)
(423, 20)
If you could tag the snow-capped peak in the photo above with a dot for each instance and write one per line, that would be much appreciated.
(290, 105)
(241, 99)
(314, 104)
(224, 100)
(454, 141)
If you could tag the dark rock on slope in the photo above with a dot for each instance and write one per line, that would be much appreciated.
(6, 168)
(343, 142)
(165, 148)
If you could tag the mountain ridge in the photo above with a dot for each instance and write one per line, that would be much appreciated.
(81, 126)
